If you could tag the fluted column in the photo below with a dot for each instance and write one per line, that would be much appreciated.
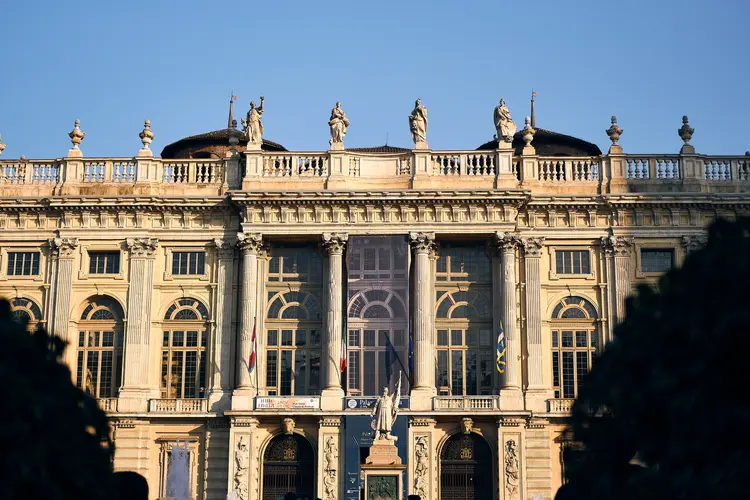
(333, 393)
(63, 250)
(424, 322)
(221, 379)
(504, 280)
(622, 246)
(249, 245)
(136, 390)
(536, 393)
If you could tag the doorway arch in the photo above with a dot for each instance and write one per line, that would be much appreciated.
(288, 466)
(464, 473)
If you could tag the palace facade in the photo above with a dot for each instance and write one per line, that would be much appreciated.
(211, 297)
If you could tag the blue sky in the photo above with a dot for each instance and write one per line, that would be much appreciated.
(114, 64)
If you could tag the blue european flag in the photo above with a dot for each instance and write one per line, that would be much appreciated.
(411, 355)
(501, 351)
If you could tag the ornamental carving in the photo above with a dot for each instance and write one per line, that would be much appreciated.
(422, 458)
(507, 242)
(64, 247)
(249, 243)
(467, 425)
(224, 248)
(329, 471)
(511, 470)
(423, 243)
(334, 243)
(620, 246)
(694, 242)
(288, 425)
(533, 246)
(241, 458)
(142, 247)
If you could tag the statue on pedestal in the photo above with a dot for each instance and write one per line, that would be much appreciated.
(385, 412)
(338, 124)
(418, 123)
(504, 124)
(253, 124)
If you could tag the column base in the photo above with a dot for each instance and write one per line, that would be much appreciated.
(511, 399)
(536, 399)
(332, 399)
(243, 399)
(219, 400)
(135, 399)
(420, 398)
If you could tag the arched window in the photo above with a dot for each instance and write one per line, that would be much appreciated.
(26, 311)
(99, 355)
(466, 466)
(293, 321)
(183, 352)
(575, 340)
(463, 320)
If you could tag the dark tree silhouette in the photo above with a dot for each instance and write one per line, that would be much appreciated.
(665, 411)
(54, 439)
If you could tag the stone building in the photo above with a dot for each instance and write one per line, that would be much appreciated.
(212, 296)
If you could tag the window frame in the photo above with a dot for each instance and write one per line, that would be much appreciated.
(552, 253)
(28, 309)
(207, 263)
(663, 245)
(170, 325)
(279, 326)
(5, 258)
(86, 325)
(85, 250)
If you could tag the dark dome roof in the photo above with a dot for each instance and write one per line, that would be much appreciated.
(380, 149)
(211, 145)
(548, 143)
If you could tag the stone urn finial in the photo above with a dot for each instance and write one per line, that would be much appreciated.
(686, 131)
(146, 135)
(528, 132)
(614, 131)
(2, 146)
(77, 135)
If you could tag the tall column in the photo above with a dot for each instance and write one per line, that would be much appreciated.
(423, 389)
(504, 281)
(622, 247)
(610, 290)
(250, 245)
(332, 396)
(536, 395)
(64, 250)
(221, 379)
(136, 390)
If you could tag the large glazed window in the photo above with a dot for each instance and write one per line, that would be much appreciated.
(463, 321)
(26, 310)
(99, 353)
(575, 341)
(184, 350)
(293, 324)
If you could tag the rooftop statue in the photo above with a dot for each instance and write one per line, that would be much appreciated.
(418, 123)
(338, 123)
(385, 412)
(253, 124)
(504, 124)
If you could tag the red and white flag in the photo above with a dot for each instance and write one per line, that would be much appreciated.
(344, 353)
(253, 355)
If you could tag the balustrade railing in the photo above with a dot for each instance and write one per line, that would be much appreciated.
(13, 173)
(464, 403)
(107, 404)
(45, 172)
(564, 170)
(652, 167)
(178, 405)
(560, 405)
(726, 168)
(469, 164)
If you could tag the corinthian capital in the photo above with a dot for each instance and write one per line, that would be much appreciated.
(142, 247)
(224, 248)
(532, 246)
(423, 243)
(249, 243)
(620, 246)
(507, 242)
(63, 247)
(694, 242)
(334, 243)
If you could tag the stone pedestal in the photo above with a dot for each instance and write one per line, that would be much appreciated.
(384, 472)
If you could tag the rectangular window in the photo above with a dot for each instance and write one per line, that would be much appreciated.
(572, 262)
(183, 368)
(442, 371)
(295, 263)
(104, 262)
(23, 263)
(463, 263)
(457, 373)
(656, 260)
(99, 363)
(188, 263)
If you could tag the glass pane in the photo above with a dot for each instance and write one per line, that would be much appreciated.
(567, 339)
(385, 369)
(314, 384)
(457, 373)
(314, 337)
(92, 373)
(585, 264)
(440, 266)
(556, 369)
(108, 339)
(164, 372)
(178, 339)
(273, 265)
(384, 338)
(568, 379)
(300, 373)
(353, 338)
(471, 373)
(273, 338)
(384, 259)
(271, 360)
(192, 339)
(285, 384)
(191, 374)
(456, 337)
(442, 337)
(300, 337)
(286, 337)
(581, 339)
(582, 368)
(369, 338)
(369, 375)
(79, 371)
(576, 262)
(442, 369)
(105, 378)
(471, 338)
(555, 342)
(353, 370)
(594, 340)
(559, 262)
(485, 371)
(485, 338)
(175, 377)
(398, 338)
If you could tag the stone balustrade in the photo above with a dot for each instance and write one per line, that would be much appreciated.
(560, 405)
(353, 170)
(464, 403)
(178, 405)
(108, 405)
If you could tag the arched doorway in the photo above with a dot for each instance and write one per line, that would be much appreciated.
(465, 469)
(288, 466)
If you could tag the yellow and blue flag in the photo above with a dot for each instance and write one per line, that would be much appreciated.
(501, 351)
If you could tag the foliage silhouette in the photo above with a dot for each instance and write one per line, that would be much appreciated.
(55, 440)
(665, 410)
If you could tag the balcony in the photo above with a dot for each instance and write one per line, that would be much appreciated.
(108, 405)
(178, 406)
(474, 403)
(561, 406)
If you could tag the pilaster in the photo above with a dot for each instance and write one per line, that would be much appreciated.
(330, 442)
(64, 250)
(621, 248)
(247, 382)
(511, 453)
(505, 175)
(504, 302)
(332, 395)
(422, 478)
(424, 322)
(536, 394)
(136, 390)
(244, 458)
(221, 379)
(132, 451)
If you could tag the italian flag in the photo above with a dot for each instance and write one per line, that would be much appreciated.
(344, 354)
(251, 364)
